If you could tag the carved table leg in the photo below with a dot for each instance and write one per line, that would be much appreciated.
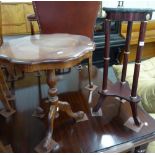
(91, 87)
(48, 144)
(126, 52)
(65, 106)
(90, 72)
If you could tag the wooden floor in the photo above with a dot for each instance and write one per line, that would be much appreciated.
(23, 132)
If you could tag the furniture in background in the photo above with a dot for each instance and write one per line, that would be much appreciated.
(14, 23)
(5, 95)
(121, 88)
(31, 18)
(48, 52)
(117, 42)
(149, 47)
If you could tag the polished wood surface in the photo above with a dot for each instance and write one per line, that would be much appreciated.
(55, 50)
(98, 133)
(41, 52)
(130, 15)
(46, 48)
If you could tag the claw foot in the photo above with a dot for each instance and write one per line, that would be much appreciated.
(47, 145)
(39, 112)
(79, 115)
(7, 113)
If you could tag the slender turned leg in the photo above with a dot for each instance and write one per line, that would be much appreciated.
(32, 29)
(134, 112)
(106, 63)
(137, 69)
(126, 52)
(91, 86)
(99, 103)
(90, 71)
(106, 54)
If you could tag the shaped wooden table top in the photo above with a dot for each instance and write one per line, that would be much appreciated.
(46, 48)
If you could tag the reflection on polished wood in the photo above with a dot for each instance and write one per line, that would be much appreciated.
(46, 48)
(102, 133)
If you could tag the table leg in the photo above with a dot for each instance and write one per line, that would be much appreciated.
(48, 144)
(90, 72)
(99, 103)
(134, 112)
(137, 70)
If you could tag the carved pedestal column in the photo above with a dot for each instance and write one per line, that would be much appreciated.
(48, 144)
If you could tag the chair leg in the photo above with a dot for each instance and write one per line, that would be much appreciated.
(32, 29)
(90, 71)
(99, 103)
(134, 112)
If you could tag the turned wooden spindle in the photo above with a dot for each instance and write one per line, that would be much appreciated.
(53, 98)
(126, 51)
(106, 54)
(55, 105)
(90, 72)
(138, 58)
(137, 70)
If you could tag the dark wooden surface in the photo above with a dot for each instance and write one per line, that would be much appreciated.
(24, 132)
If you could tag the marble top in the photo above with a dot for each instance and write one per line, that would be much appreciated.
(45, 48)
(122, 9)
